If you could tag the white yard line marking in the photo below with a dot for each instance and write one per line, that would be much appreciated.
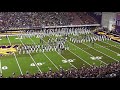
(111, 45)
(32, 41)
(18, 64)
(31, 57)
(101, 52)
(16, 58)
(106, 48)
(51, 61)
(47, 57)
(68, 62)
(8, 39)
(86, 52)
(81, 58)
(115, 42)
(0, 67)
(61, 55)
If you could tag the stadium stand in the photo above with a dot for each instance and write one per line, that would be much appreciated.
(31, 19)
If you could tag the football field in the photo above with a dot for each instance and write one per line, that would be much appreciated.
(78, 55)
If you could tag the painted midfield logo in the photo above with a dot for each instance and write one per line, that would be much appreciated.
(7, 50)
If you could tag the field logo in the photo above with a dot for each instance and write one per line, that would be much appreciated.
(96, 58)
(7, 50)
(38, 64)
(69, 60)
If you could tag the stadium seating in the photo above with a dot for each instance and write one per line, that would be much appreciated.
(32, 19)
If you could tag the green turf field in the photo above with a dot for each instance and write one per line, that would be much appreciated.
(78, 55)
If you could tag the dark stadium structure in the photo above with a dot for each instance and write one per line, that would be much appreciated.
(15, 26)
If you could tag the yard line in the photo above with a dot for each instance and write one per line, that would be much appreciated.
(51, 61)
(31, 57)
(61, 55)
(68, 62)
(18, 64)
(86, 52)
(0, 68)
(111, 45)
(106, 48)
(32, 41)
(8, 39)
(81, 58)
(101, 52)
(115, 42)
(47, 57)
(16, 58)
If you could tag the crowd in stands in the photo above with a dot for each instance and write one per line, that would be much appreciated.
(31, 19)
(108, 71)
(86, 18)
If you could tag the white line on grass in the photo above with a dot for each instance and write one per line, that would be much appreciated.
(115, 42)
(18, 64)
(16, 58)
(9, 40)
(106, 48)
(0, 68)
(51, 61)
(31, 57)
(111, 45)
(86, 52)
(47, 57)
(101, 52)
(81, 58)
(32, 41)
(62, 56)
(68, 62)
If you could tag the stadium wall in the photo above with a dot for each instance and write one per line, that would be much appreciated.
(108, 19)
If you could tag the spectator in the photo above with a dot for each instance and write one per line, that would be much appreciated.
(9, 20)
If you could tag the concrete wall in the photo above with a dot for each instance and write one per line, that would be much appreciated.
(106, 17)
